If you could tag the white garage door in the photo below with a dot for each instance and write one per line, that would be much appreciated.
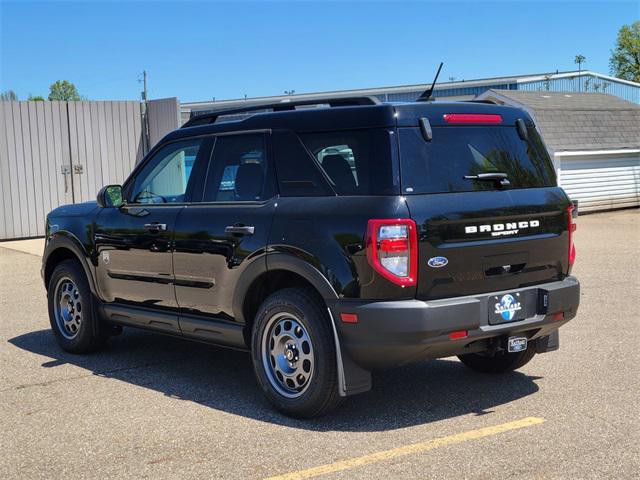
(601, 182)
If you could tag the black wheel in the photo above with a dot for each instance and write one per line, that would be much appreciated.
(294, 355)
(500, 362)
(71, 309)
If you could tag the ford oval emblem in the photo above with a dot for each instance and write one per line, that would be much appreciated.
(437, 262)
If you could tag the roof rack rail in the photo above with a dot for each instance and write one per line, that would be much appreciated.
(210, 116)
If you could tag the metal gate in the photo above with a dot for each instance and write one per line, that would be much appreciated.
(52, 153)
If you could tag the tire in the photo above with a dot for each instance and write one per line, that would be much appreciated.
(501, 362)
(294, 355)
(71, 310)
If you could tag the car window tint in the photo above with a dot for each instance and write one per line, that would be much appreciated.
(298, 174)
(357, 162)
(165, 177)
(455, 152)
(239, 170)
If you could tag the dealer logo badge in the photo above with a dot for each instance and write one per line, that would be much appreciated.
(508, 306)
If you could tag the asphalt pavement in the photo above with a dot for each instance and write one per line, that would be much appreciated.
(152, 406)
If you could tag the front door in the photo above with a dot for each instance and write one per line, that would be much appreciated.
(218, 237)
(134, 243)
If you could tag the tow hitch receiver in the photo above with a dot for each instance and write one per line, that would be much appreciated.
(516, 344)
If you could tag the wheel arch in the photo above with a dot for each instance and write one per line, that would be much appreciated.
(277, 272)
(283, 271)
(63, 247)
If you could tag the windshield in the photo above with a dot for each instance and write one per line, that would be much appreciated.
(441, 165)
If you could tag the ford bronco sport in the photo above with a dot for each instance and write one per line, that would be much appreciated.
(328, 242)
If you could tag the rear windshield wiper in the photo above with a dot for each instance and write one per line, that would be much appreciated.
(501, 178)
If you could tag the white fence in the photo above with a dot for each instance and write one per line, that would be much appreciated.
(52, 153)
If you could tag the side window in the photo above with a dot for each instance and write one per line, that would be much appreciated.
(239, 170)
(165, 177)
(298, 174)
(357, 162)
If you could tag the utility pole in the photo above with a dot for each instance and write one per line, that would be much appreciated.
(144, 81)
(145, 113)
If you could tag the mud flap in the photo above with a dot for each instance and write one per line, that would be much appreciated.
(352, 378)
(548, 343)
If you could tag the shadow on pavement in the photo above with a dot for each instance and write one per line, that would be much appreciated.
(223, 380)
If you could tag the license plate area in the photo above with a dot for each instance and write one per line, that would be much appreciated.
(512, 306)
(516, 344)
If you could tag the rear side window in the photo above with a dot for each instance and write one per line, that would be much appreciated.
(440, 165)
(239, 170)
(298, 175)
(356, 162)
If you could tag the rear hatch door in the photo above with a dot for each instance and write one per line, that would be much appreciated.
(482, 235)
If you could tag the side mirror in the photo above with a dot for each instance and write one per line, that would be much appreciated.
(110, 196)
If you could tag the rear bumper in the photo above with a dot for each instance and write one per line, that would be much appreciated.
(389, 334)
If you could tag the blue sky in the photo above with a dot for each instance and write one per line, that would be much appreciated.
(199, 50)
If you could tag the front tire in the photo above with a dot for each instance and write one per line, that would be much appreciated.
(500, 362)
(294, 355)
(71, 310)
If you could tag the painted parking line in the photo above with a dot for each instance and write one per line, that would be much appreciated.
(409, 449)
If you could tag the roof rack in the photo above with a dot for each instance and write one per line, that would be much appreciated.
(210, 116)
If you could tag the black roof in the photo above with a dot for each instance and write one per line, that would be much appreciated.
(351, 117)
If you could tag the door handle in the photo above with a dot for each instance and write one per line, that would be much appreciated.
(240, 229)
(155, 227)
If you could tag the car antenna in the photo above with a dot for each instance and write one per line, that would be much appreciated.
(428, 94)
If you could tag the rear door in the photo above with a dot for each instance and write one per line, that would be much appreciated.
(477, 235)
(224, 229)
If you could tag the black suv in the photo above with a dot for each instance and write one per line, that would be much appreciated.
(329, 241)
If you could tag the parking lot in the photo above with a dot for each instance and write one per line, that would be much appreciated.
(151, 406)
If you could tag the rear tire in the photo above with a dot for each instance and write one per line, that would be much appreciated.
(71, 310)
(500, 362)
(294, 355)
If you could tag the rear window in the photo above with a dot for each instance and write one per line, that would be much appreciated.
(356, 162)
(440, 165)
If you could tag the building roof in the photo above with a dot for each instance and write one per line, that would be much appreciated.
(578, 121)
(479, 82)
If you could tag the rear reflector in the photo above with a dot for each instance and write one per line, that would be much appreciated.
(349, 317)
(458, 335)
(558, 316)
(472, 118)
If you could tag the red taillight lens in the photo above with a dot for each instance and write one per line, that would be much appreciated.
(572, 228)
(472, 118)
(392, 250)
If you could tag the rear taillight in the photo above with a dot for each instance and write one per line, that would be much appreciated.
(572, 228)
(392, 250)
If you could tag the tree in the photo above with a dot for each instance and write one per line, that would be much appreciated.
(35, 98)
(579, 60)
(8, 95)
(625, 57)
(64, 90)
